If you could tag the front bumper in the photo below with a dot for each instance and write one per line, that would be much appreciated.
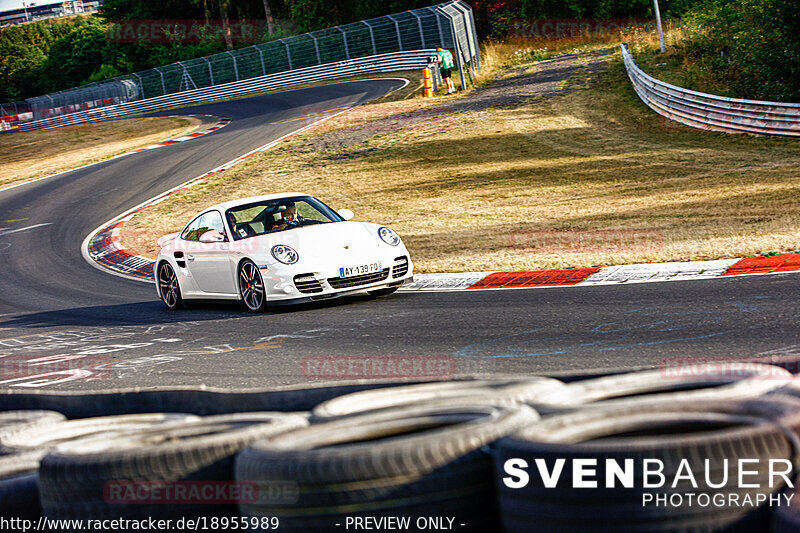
(319, 297)
(295, 285)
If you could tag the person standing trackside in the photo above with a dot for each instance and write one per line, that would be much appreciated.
(445, 67)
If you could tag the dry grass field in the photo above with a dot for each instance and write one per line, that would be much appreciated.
(29, 155)
(473, 186)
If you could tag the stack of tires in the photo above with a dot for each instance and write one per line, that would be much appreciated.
(511, 454)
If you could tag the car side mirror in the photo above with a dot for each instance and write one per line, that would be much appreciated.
(212, 236)
(346, 214)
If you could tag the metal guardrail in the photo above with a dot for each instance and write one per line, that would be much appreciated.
(409, 60)
(711, 112)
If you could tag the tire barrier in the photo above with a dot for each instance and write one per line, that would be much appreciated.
(337, 454)
(186, 399)
(196, 449)
(514, 391)
(432, 463)
(654, 387)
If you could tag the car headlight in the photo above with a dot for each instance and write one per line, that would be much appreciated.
(388, 236)
(285, 254)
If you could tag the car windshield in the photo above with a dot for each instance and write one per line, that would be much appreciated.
(270, 216)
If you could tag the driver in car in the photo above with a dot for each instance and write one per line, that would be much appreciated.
(289, 218)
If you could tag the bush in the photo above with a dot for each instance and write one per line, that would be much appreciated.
(756, 41)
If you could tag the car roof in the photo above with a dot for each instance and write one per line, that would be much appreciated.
(255, 199)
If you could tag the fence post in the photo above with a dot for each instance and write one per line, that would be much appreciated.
(419, 24)
(344, 40)
(316, 47)
(163, 85)
(261, 55)
(186, 77)
(397, 29)
(288, 53)
(141, 85)
(235, 66)
(210, 71)
(372, 36)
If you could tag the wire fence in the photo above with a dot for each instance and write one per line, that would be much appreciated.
(450, 25)
(711, 112)
(394, 61)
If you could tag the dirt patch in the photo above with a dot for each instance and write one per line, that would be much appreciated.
(518, 86)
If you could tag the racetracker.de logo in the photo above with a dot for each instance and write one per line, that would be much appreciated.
(609, 241)
(719, 369)
(377, 367)
(185, 31)
(571, 28)
(14, 368)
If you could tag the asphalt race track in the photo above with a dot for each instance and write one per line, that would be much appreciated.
(53, 303)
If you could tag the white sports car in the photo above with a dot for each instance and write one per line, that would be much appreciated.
(278, 249)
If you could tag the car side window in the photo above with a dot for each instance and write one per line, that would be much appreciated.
(211, 220)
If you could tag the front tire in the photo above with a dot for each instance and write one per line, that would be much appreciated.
(251, 287)
(168, 287)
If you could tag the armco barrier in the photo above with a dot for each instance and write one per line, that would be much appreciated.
(396, 61)
(710, 112)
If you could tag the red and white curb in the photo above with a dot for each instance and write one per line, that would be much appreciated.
(221, 123)
(102, 248)
(641, 273)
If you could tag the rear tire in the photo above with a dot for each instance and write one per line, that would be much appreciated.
(251, 287)
(168, 287)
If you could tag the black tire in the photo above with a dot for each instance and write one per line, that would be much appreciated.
(44, 437)
(528, 390)
(77, 479)
(14, 422)
(716, 382)
(189, 399)
(411, 462)
(383, 292)
(168, 287)
(19, 488)
(671, 435)
(251, 287)
(786, 518)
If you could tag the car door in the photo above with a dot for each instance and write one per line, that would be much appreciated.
(208, 255)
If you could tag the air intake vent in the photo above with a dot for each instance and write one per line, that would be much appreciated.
(307, 283)
(400, 267)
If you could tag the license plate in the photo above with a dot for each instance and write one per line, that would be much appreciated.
(358, 270)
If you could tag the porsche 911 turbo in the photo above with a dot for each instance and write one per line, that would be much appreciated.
(278, 249)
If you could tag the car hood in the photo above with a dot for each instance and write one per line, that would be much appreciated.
(326, 240)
